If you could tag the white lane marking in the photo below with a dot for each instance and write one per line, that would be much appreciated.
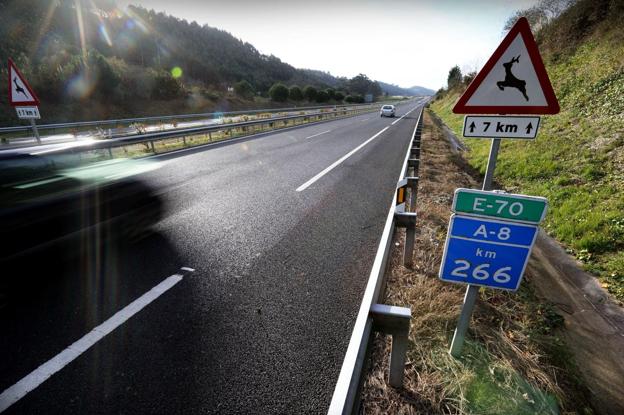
(58, 362)
(188, 269)
(396, 121)
(316, 135)
(366, 119)
(337, 162)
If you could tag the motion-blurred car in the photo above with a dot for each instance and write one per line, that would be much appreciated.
(387, 111)
(45, 200)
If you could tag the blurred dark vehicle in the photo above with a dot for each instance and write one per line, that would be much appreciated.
(47, 200)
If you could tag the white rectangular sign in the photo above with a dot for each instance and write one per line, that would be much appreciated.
(28, 113)
(500, 126)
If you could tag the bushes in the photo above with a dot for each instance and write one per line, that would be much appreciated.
(354, 99)
(278, 92)
(244, 89)
(295, 93)
(309, 92)
(166, 86)
(322, 96)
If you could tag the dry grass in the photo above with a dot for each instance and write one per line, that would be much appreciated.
(513, 362)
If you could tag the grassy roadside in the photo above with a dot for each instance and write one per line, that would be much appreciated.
(577, 160)
(514, 362)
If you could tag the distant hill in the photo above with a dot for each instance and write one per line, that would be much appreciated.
(396, 90)
(421, 90)
(140, 62)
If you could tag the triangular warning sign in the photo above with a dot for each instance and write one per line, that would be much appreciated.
(20, 93)
(513, 81)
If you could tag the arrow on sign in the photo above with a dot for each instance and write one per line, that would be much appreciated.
(529, 128)
(472, 127)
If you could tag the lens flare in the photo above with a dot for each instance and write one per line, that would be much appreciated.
(176, 72)
(104, 34)
(81, 86)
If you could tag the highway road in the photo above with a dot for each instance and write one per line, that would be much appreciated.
(242, 301)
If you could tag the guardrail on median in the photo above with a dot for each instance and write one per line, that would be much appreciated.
(372, 315)
(127, 122)
(245, 128)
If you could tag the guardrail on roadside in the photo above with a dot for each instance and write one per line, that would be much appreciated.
(246, 128)
(373, 316)
(180, 117)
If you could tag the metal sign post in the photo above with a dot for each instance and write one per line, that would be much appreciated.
(35, 131)
(472, 291)
(480, 250)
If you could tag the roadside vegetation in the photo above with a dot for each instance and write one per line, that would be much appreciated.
(577, 160)
(137, 62)
(514, 360)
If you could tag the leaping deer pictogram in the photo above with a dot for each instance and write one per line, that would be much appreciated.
(19, 88)
(511, 80)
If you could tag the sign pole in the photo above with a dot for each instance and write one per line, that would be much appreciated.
(35, 131)
(491, 166)
(472, 291)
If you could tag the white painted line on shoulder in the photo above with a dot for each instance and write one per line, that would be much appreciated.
(58, 362)
(316, 135)
(337, 162)
(188, 269)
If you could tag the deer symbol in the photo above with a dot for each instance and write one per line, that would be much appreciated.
(511, 80)
(19, 88)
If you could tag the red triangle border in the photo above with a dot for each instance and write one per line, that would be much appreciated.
(552, 105)
(35, 100)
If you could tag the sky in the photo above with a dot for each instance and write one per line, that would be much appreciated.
(404, 42)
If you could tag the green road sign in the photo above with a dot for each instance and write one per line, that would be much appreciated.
(521, 208)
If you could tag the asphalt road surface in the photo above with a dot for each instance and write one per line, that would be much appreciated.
(281, 235)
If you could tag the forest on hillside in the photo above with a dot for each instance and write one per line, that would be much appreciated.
(97, 58)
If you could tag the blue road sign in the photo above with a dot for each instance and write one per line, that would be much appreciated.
(487, 252)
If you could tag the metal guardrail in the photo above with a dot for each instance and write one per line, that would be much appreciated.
(109, 144)
(393, 320)
(128, 121)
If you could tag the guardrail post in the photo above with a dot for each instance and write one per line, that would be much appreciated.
(412, 184)
(152, 147)
(407, 220)
(414, 164)
(394, 321)
(415, 152)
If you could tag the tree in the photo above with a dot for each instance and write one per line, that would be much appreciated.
(295, 93)
(454, 77)
(540, 14)
(244, 89)
(362, 85)
(309, 92)
(166, 86)
(322, 96)
(278, 92)
(348, 99)
(331, 92)
(339, 96)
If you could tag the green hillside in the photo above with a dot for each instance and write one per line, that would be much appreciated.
(577, 160)
(89, 59)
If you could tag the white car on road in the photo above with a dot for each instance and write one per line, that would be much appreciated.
(387, 111)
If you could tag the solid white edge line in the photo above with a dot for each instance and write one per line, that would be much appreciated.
(337, 162)
(58, 362)
(316, 135)
(348, 365)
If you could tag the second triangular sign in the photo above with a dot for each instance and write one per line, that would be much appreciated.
(513, 81)
(20, 93)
